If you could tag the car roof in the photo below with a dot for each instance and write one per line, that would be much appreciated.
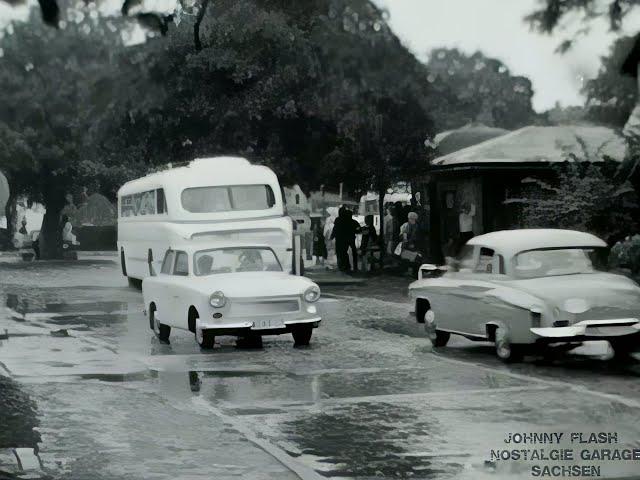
(511, 242)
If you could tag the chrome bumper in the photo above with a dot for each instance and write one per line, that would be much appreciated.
(247, 325)
(592, 329)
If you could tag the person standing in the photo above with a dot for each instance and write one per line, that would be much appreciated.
(319, 245)
(353, 230)
(465, 220)
(369, 245)
(388, 230)
(340, 233)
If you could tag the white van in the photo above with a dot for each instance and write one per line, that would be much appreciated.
(226, 198)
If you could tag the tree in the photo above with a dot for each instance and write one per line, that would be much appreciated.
(611, 96)
(585, 195)
(58, 87)
(548, 17)
(287, 89)
(477, 88)
(156, 21)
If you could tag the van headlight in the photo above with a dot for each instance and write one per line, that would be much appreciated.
(312, 294)
(217, 299)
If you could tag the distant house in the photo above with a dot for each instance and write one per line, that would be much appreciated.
(484, 174)
(321, 200)
(298, 207)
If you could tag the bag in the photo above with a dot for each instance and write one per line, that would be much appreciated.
(409, 255)
(398, 250)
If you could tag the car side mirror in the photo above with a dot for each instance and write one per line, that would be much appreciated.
(152, 271)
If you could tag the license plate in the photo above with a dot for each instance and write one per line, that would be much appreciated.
(267, 323)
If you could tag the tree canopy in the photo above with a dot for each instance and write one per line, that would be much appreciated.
(549, 16)
(59, 89)
(297, 87)
(324, 93)
(611, 95)
(476, 88)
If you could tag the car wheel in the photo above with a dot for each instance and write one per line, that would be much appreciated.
(622, 351)
(204, 338)
(162, 331)
(505, 350)
(302, 335)
(437, 337)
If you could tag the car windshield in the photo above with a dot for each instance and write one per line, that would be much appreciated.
(228, 260)
(557, 261)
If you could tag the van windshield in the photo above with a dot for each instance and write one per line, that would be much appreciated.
(227, 198)
(229, 260)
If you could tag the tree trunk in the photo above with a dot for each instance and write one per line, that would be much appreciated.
(10, 212)
(50, 239)
(381, 192)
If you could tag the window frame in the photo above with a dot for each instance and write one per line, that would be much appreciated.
(171, 263)
(271, 198)
(195, 269)
(175, 264)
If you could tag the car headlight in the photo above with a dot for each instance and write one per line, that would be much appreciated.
(312, 294)
(217, 299)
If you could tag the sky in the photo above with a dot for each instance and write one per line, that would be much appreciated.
(496, 28)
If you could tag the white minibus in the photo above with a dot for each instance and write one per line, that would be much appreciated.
(226, 198)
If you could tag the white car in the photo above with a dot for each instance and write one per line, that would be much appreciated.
(229, 289)
(526, 289)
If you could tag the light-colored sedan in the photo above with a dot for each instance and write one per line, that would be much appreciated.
(230, 289)
(524, 289)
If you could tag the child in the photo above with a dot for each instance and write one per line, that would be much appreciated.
(319, 245)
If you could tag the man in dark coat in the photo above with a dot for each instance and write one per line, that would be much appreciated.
(340, 233)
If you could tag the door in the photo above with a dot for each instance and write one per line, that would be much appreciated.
(449, 217)
(161, 283)
(480, 308)
(178, 294)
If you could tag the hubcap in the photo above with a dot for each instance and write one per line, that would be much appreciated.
(503, 347)
(430, 324)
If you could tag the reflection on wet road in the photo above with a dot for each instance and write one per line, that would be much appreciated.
(85, 381)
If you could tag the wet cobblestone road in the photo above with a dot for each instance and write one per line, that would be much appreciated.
(86, 383)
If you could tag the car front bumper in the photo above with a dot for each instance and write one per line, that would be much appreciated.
(588, 330)
(246, 327)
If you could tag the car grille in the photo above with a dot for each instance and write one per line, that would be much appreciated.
(264, 307)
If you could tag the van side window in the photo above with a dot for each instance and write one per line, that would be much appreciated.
(168, 262)
(485, 261)
(142, 203)
(161, 201)
(182, 264)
